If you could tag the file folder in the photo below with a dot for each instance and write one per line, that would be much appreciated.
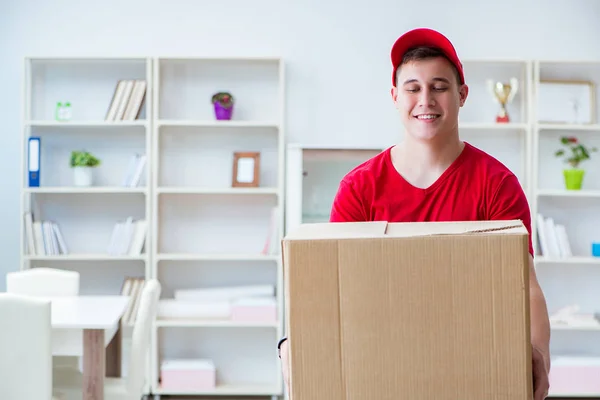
(33, 151)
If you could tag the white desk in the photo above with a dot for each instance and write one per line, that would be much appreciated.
(94, 315)
(87, 312)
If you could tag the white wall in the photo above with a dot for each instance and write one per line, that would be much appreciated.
(337, 54)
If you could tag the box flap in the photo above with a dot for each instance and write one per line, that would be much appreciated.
(338, 230)
(412, 229)
(378, 229)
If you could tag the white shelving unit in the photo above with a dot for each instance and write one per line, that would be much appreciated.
(524, 145)
(573, 280)
(85, 215)
(202, 231)
(207, 233)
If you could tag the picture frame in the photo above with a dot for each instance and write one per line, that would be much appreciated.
(566, 102)
(246, 169)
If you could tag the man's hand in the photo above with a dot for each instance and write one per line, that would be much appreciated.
(541, 383)
(283, 353)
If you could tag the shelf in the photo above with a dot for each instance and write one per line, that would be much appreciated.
(217, 191)
(86, 257)
(569, 260)
(182, 323)
(230, 390)
(218, 124)
(483, 126)
(568, 193)
(215, 257)
(569, 127)
(558, 327)
(86, 190)
(85, 124)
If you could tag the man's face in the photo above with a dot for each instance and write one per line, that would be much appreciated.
(428, 97)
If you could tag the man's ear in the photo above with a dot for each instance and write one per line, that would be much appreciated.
(394, 93)
(463, 93)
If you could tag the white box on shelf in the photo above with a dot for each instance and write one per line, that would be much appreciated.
(254, 309)
(188, 375)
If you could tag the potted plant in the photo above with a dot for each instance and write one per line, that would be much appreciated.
(83, 164)
(223, 105)
(574, 153)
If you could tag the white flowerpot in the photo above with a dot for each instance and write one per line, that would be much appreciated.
(83, 176)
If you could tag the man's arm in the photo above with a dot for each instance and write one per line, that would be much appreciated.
(540, 324)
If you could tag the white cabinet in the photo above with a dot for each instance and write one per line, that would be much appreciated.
(313, 177)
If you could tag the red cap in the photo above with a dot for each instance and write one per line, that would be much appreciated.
(424, 37)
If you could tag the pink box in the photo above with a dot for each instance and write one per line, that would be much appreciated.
(193, 374)
(575, 375)
(254, 310)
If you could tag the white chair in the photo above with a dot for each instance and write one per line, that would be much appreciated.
(25, 348)
(131, 387)
(45, 282)
(48, 282)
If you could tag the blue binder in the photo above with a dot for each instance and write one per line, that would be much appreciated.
(33, 152)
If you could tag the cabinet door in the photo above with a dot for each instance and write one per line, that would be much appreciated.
(313, 180)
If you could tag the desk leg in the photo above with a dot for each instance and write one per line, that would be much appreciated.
(114, 355)
(94, 361)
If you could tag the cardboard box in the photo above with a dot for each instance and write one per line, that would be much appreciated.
(419, 311)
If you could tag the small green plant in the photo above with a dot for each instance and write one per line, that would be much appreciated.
(578, 151)
(225, 99)
(83, 159)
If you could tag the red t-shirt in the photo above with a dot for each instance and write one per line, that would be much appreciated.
(476, 186)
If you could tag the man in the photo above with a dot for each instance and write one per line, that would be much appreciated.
(434, 176)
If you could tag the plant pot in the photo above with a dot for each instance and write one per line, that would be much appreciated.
(83, 176)
(222, 113)
(573, 178)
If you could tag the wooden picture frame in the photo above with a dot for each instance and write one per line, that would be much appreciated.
(246, 169)
(566, 102)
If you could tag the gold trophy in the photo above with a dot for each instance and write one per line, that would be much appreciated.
(504, 93)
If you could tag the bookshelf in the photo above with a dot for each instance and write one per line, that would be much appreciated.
(526, 145)
(202, 231)
(84, 216)
(571, 275)
(69, 224)
(209, 234)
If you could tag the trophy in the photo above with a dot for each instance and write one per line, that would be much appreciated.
(504, 93)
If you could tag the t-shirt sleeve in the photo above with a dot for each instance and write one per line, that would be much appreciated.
(509, 202)
(347, 205)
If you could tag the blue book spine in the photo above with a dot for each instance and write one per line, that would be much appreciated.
(33, 155)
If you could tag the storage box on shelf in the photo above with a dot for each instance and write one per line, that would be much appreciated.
(216, 232)
(566, 221)
(68, 223)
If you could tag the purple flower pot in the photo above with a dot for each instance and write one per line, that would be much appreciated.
(222, 113)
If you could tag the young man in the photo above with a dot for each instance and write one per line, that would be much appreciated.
(434, 176)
